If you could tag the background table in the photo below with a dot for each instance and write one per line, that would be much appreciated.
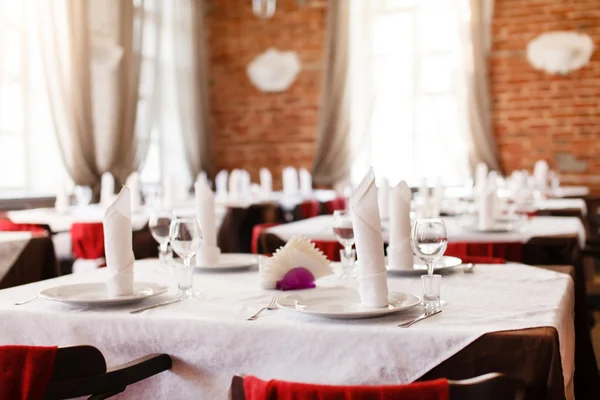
(35, 261)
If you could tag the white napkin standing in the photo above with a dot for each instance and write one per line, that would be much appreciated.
(290, 181)
(481, 174)
(435, 206)
(169, 192)
(202, 176)
(107, 189)
(423, 209)
(383, 199)
(221, 181)
(266, 181)
(486, 208)
(209, 252)
(61, 205)
(372, 276)
(244, 183)
(118, 245)
(234, 182)
(400, 253)
(540, 173)
(133, 183)
(305, 182)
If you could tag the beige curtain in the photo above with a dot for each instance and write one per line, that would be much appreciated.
(191, 76)
(93, 84)
(483, 144)
(332, 159)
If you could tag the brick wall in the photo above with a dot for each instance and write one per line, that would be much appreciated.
(252, 128)
(541, 116)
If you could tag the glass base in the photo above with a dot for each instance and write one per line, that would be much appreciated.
(185, 293)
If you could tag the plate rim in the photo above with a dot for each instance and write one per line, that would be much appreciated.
(162, 289)
(231, 267)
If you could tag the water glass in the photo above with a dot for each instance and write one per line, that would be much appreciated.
(160, 227)
(429, 240)
(431, 291)
(185, 279)
(348, 261)
(185, 237)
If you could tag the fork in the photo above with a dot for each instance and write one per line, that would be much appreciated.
(20, 303)
(272, 306)
(421, 317)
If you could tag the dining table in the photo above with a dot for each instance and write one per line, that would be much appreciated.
(512, 318)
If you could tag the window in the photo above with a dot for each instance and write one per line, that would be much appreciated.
(406, 81)
(29, 155)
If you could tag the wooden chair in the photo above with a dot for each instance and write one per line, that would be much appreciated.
(492, 386)
(81, 371)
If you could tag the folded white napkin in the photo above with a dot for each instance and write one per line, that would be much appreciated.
(423, 206)
(372, 277)
(202, 176)
(133, 183)
(400, 253)
(481, 173)
(209, 253)
(437, 199)
(266, 181)
(383, 199)
(221, 181)
(169, 192)
(305, 182)
(245, 183)
(290, 181)
(61, 204)
(540, 172)
(234, 182)
(486, 207)
(118, 245)
(107, 189)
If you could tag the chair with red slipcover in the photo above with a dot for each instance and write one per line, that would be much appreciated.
(36, 373)
(307, 209)
(339, 203)
(257, 247)
(87, 243)
(491, 386)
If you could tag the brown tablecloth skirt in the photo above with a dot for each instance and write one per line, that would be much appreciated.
(36, 262)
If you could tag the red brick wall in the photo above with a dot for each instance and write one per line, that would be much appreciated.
(251, 128)
(537, 115)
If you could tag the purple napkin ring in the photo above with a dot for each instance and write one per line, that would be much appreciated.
(297, 278)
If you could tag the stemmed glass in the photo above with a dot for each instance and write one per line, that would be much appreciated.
(344, 232)
(160, 227)
(185, 237)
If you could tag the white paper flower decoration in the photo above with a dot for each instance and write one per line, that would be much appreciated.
(274, 70)
(560, 52)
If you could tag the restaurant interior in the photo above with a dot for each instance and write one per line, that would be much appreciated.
(300, 199)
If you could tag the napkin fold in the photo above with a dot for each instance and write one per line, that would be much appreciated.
(383, 199)
(221, 181)
(372, 277)
(435, 206)
(486, 207)
(61, 205)
(202, 176)
(169, 192)
(107, 189)
(245, 183)
(266, 181)
(118, 245)
(305, 182)
(540, 173)
(400, 253)
(289, 178)
(209, 252)
(423, 207)
(133, 183)
(481, 174)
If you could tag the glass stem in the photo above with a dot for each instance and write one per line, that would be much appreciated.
(348, 250)
(187, 262)
(429, 268)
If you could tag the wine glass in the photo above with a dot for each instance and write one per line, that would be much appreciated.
(186, 237)
(160, 227)
(429, 240)
(344, 233)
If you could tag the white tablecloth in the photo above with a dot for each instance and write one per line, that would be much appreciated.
(561, 204)
(61, 222)
(277, 198)
(320, 228)
(210, 339)
(12, 245)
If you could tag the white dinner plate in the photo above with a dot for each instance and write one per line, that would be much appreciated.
(96, 294)
(443, 264)
(343, 303)
(231, 262)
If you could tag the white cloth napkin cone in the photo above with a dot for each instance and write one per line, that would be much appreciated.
(221, 182)
(400, 253)
(61, 205)
(383, 199)
(107, 189)
(481, 174)
(423, 209)
(209, 253)
(169, 189)
(486, 207)
(540, 173)
(297, 252)
(118, 245)
(234, 183)
(289, 178)
(202, 176)
(266, 181)
(372, 277)
(305, 182)
(245, 183)
(435, 206)
(133, 183)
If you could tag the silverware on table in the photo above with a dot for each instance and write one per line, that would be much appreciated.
(20, 303)
(421, 317)
(468, 268)
(272, 306)
(166, 303)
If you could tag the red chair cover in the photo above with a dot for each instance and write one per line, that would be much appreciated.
(330, 249)
(511, 251)
(256, 231)
(7, 225)
(87, 240)
(25, 371)
(310, 208)
(339, 203)
(257, 389)
(482, 260)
